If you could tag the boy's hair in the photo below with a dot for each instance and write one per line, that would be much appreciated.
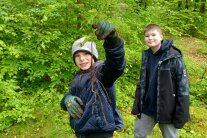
(151, 27)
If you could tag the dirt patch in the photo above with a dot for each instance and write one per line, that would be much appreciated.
(191, 49)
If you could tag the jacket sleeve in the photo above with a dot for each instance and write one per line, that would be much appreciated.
(136, 109)
(113, 66)
(182, 95)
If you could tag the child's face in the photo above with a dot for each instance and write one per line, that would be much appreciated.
(153, 39)
(83, 60)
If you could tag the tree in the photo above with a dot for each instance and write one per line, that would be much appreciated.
(202, 6)
(187, 4)
(179, 4)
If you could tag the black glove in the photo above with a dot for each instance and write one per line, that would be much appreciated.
(103, 29)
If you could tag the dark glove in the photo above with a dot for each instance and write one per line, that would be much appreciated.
(103, 29)
(74, 106)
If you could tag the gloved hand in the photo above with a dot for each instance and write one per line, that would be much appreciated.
(74, 106)
(103, 29)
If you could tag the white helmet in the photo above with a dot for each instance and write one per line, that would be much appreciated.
(90, 47)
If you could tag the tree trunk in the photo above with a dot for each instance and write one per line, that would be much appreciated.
(141, 4)
(187, 3)
(196, 3)
(203, 6)
(79, 17)
(179, 5)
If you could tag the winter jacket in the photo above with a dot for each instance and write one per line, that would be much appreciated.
(172, 105)
(96, 89)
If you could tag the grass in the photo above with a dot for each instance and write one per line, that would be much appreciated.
(55, 125)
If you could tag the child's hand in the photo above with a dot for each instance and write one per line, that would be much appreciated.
(103, 29)
(74, 106)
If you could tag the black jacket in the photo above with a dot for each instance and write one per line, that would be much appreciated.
(172, 105)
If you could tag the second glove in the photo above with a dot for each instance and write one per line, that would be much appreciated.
(74, 106)
(103, 29)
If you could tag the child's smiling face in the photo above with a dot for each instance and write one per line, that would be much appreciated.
(83, 60)
(153, 39)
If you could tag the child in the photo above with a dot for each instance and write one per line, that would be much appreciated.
(162, 93)
(91, 100)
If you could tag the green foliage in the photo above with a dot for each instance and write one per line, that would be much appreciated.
(14, 107)
(197, 126)
(36, 66)
(48, 119)
(198, 82)
(35, 53)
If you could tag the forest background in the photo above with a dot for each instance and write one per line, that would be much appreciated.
(36, 67)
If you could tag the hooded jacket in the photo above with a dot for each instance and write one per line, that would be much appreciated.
(96, 89)
(172, 87)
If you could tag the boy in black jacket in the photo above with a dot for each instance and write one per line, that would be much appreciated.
(162, 94)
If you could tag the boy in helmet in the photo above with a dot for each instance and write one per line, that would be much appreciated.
(91, 100)
(162, 94)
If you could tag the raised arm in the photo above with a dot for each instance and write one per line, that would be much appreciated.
(115, 62)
